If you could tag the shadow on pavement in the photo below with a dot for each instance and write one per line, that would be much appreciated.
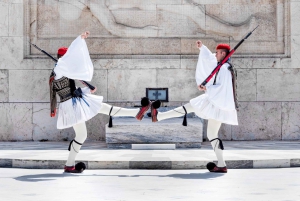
(49, 177)
(206, 175)
(43, 177)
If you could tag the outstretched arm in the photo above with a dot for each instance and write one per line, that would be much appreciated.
(76, 63)
(206, 63)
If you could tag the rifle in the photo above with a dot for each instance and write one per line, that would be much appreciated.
(46, 53)
(225, 59)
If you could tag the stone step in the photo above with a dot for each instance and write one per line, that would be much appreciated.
(151, 159)
(237, 154)
(153, 146)
(127, 131)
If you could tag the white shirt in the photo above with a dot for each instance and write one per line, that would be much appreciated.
(220, 94)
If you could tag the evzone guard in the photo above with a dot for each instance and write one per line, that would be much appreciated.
(217, 104)
(78, 105)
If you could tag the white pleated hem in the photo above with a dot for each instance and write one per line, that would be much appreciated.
(205, 109)
(78, 110)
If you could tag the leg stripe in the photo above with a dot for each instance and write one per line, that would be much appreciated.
(71, 143)
(77, 142)
(220, 143)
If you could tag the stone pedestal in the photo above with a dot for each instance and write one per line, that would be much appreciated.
(128, 131)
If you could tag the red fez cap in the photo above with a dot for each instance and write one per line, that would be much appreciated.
(62, 50)
(223, 46)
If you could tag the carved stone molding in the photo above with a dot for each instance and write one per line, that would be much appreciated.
(158, 27)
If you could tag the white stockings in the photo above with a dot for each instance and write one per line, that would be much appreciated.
(213, 127)
(177, 112)
(81, 135)
(118, 111)
(81, 132)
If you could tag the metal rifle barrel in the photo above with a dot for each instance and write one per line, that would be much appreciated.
(244, 38)
(46, 53)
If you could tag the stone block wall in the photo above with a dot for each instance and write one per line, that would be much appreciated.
(140, 44)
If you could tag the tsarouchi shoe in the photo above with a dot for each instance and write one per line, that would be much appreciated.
(212, 167)
(154, 106)
(145, 106)
(78, 168)
(71, 169)
(219, 169)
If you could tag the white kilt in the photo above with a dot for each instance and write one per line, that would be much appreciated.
(78, 110)
(204, 108)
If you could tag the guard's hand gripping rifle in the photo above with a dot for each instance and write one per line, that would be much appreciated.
(225, 59)
(46, 53)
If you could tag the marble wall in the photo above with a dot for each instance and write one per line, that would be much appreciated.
(139, 44)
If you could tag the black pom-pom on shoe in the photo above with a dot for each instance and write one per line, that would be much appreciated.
(80, 167)
(145, 101)
(146, 104)
(210, 166)
(156, 104)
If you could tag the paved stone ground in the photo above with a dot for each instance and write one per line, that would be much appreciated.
(238, 154)
(96, 145)
(281, 184)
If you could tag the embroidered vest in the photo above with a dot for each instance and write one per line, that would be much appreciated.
(64, 87)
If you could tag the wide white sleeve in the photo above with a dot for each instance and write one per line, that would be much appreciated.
(206, 64)
(86, 90)
(76, 63)
(221, 94)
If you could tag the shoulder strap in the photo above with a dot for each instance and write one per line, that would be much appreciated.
(216, 76)
(53, 100)
(234, 84)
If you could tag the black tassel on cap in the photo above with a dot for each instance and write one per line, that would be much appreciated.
(184, 123)
(110, 118)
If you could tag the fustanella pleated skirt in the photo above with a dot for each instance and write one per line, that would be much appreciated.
(78, 110)
(204, 108)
